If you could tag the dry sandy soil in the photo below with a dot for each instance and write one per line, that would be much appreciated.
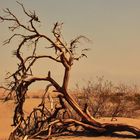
(6, 113)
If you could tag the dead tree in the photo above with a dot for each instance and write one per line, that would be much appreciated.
(45, 121)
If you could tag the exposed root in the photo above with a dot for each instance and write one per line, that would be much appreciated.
(44, 124)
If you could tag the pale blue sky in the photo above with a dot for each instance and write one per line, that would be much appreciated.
(112, 25)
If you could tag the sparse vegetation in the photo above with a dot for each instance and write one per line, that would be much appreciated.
(35, 96)
(105, 99)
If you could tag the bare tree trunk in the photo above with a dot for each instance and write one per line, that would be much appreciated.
(73, 103)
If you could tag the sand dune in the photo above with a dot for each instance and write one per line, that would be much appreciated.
(6, 113)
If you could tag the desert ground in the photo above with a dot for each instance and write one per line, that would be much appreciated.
(6, 113)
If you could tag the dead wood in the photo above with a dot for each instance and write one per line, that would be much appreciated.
(42, 121)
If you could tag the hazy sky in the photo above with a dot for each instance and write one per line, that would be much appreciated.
(112, 25)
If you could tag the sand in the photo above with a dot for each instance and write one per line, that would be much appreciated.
(6, 114)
